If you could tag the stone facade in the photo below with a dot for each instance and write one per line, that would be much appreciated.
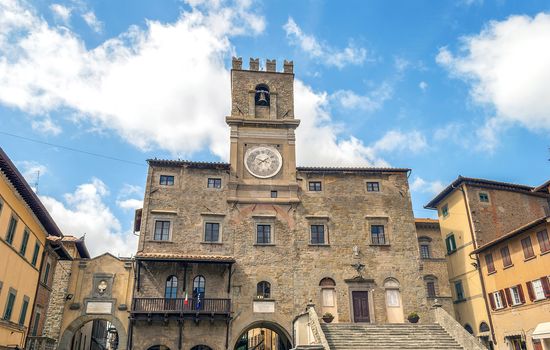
(434, 264)
(345, 207)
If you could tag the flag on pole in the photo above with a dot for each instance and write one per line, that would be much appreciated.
(186, 301)
(198, 301)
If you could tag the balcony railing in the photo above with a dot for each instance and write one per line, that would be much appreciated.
(178, 305)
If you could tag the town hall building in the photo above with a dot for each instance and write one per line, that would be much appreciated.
(230, 253)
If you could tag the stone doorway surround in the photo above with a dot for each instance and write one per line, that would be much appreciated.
(361, 284)
(265, 324)
(67, 337)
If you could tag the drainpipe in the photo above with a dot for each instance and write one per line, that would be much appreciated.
(478, 268)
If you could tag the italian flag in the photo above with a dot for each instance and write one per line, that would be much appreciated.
(186, 301)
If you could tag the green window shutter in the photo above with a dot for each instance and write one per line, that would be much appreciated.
(35, 254)
(448, 244)
(453, 245)
(23, 312)
(9, 306)
(11, 230)
(24, 243)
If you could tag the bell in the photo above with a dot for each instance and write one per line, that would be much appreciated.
(262, 100)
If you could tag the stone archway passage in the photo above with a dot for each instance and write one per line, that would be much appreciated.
(263, 335)
(201, 347)
(68, 333)
(159, 347)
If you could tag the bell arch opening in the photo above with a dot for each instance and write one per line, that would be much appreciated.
(264, 335)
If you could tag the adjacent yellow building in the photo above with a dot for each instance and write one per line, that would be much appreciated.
(24, 226)
(473, 212)
(516, 270)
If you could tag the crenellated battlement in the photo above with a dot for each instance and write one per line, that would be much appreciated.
(254, 65)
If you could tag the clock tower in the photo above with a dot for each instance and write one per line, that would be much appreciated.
(263, 150)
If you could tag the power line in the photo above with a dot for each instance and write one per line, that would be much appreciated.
(71, 149)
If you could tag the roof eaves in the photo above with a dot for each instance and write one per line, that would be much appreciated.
(350, 169)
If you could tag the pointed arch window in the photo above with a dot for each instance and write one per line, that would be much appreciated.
(171, 289)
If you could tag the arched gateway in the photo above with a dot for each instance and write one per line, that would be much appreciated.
(263, 335)
(66, 340)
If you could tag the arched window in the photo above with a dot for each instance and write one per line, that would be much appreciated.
(432, 289)
(199, 287)
(327, 282)
(171, 288)
(201, 347)
(468, 328)
(425, 249)
(327, 285)
(483, 327)
(263, 290)
(261, 98)
(393, 297)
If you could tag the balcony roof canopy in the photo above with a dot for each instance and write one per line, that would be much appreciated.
(191, 258)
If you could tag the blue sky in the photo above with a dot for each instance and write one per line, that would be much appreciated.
(446, 88)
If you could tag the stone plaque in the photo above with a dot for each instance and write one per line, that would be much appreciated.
(99, 307)
(264, 306)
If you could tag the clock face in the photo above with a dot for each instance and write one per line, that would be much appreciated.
(263, 161)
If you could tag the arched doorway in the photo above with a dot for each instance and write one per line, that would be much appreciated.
(95, 335)
(201, 347)
(158, 347)
(264, 335)
(111, 324)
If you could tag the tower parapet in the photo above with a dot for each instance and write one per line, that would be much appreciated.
(270, 65)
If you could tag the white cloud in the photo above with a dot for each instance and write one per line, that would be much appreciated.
(84, 212)
(369, 102)
(321, 51)
(32, 171)
(130, 204)
(153, 86)
(423, 85)
(423, 186)
(92, 21)
(46, 126)
(395, 140)
(62, 13)
(507, 68)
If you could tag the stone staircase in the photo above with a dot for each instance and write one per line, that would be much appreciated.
(356, 336)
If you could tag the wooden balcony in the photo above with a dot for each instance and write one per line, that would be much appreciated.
(177, 306)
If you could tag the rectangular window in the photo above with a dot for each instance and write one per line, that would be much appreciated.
(451, 244)
(24, 308)
(214, 183)
(167, 180)
(46, 274)
(445, 210)
(377, 234)
(459, 291)
(497, 298)
(263, 234)
(538, 290)
(35, 254)
(212, 232)
(544, 243)
(24, 243)
(424, 251)
(9, 305)
(274, 194)
(516, 298)
(483, 197)
(11, 230)
(505, 254)
(373, 187)
(36, 324)
(490, 263)
(430, 285)
(317, 234)
(315, 186)
(162, 230)
(527, 248)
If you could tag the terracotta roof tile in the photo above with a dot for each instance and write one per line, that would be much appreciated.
(186, 257)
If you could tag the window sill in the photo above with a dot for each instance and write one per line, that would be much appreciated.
(263, 244)
(211, 243)
(379, 245)
(319, 244)
(459, 301)
(544, 253)
(491, 273)
(451, 252)
(507, 267)
(263, 299)
(530, 258)
(157, 241)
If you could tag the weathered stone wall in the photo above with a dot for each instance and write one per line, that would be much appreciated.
(292, 265)
(44, 289)
(436, 265)
(60, 285)
(505, 211)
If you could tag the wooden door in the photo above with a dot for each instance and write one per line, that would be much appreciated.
(360, 306)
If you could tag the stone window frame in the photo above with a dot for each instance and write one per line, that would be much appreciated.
(212, 218)
(38, 312)
(24, 311)
(379, 220)
(47, 273)
(370, 181)
(315, 182)
(213, 187)
(463, 296)
(433, 279)
(264, 220)
(425, 241)
(330, 286)
(170, 231)
(445, 210)
(392, 284)
(318, 220)
(35, 254)
(450, 249)
(269, 284)
(481, 200)
(13, 292)
(9, 238)
(24, 242)
(167, 176)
